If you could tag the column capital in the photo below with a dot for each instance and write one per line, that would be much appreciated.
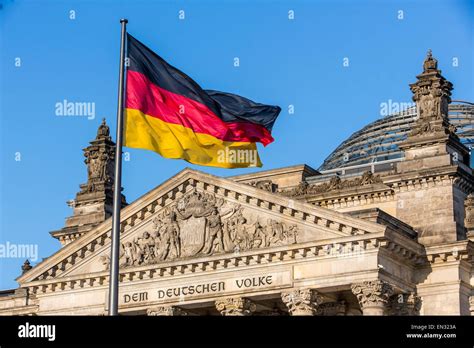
(372, 295)
(405, 304)
(166, 311)
(302, 301)
(235, 306)
(332, 308)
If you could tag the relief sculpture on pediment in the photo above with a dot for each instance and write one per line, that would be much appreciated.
(201, 224)
(335, 183)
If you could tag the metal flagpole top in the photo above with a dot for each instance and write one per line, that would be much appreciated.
(124, 20)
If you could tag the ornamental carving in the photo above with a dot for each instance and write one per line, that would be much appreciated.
(201, 224)
(404, 304)
(100, 161)
(426, 128)
(373, 293)
(302, 301)
(332, 308)
(26, 267)
(432, 94)
(469, 213)
(235, 306)
(97, 161)
(166, 311)
(367, 178)
(103, 132)
(266, 185)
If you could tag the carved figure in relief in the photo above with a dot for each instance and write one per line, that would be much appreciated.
(162, 243)
(129, 254)
(172, 229)
(334, 183)
(277, 232)
(203, 224)
(292, 235)
(144, 247)
(214, 240)
(241, 239)
(257, 236)
(427, 108)
(104, 158)
(94, 165)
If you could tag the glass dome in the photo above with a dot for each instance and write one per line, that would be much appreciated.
(378, 141)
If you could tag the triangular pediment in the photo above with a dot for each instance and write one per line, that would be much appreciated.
(196, 215)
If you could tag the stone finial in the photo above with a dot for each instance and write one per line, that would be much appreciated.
(302, 301)
(432, 95)
(26, 266)
(103, 132)
(93, 203)
(372, 294)
(430, 63)
(235, 306)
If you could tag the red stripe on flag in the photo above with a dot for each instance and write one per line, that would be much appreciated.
(174, 108)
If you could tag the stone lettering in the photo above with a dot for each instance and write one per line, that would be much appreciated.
(135, 297)
(188, 291)
(253, 282)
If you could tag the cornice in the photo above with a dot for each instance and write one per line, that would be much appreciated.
(403, 247)
(426, 177)
(303, 168)
(457, 251)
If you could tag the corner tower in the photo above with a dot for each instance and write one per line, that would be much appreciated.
(93, 203)
(433, 138)
(436, 177)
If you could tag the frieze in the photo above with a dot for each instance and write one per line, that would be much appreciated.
(309, 250)
(336, 183)
(201, 289)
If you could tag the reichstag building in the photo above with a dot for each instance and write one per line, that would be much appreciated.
(384, 227)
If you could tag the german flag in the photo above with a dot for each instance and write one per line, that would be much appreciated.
(167, 112)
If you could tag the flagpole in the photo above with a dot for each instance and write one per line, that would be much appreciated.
(115, 243)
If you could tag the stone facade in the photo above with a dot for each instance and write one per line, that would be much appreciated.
(289, 241)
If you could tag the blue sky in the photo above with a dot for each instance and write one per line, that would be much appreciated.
(283, 61)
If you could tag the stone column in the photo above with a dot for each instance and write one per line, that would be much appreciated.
(471, 305)
(235, 306)
(302, 301)
(166, 311)
(373, 296)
